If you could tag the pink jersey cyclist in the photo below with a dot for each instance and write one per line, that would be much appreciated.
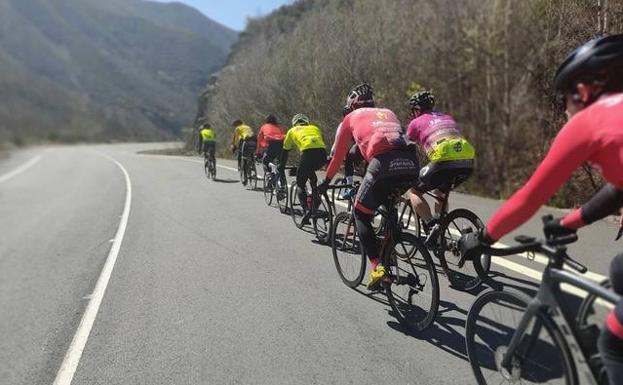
(431, 127)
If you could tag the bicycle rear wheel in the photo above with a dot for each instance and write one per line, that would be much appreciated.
(296, 209)
(268, 188)
(348, 255)
(252, 176)
(451, 228)
(213, 169)
(542, 356)
(322, 219)
(206, 167)
(413, 290)
(281, 193)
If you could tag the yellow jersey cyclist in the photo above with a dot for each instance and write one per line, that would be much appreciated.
(307, 138)
(450, 155)
(207, 140)
(243, 140)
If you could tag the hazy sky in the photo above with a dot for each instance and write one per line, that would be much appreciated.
(233, 13)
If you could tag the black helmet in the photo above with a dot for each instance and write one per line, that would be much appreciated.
(237, 123)
(271, 119)
(597, 60)
(423, 101)
(360, 96)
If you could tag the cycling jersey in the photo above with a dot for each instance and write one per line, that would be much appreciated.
(304, 138)
(268, 133)
(374, 130)
(594, 134)
(242, 132)
(440, 137)
(207, 135)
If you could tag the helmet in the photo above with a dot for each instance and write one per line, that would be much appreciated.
(300, 118)
(423, 101)
(597, 60)
(205, 124)
(237, 123)
(360, 96)
(271, 119)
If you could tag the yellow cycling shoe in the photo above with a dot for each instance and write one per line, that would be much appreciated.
(376, 276)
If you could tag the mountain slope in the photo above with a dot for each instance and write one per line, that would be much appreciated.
(113, 70)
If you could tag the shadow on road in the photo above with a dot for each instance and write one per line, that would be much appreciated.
(218, 180)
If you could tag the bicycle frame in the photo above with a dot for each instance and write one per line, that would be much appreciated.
(549, 300)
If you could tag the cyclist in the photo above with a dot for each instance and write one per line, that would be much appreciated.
(308, 139)
(449, 154)
(270, 141)
(244, 141)
(591, 83)
(391, 163)
(207, 139)
(353, 157)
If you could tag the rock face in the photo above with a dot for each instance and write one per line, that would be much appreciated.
(75, 70)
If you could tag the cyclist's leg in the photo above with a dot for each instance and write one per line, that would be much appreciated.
(611, 338)
(212, 150)
(304, 170)
(420, 205)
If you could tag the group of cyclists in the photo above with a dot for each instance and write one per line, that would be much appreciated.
(590, 84)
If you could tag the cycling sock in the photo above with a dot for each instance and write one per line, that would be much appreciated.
(349, 180)
(374, 262)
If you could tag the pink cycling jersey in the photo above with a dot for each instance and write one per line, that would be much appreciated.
(430, 127)
(374, 130)
(595, 134)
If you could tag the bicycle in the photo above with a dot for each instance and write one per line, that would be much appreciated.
(410, 275)
(321, 213)
(276, 186)
(548, 343)
(209, 165)
(248, 171)
(443, 238)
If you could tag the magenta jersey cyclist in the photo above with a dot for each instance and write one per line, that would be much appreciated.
(430, 127)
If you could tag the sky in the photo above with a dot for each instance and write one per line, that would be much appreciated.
(233, 13)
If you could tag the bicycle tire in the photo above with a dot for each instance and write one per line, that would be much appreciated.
(269, 189)
(296, 209)
(213, 169)
(409, 280)
(323, 219)
(206, 168)
(465, 278)
(477, 352)
(587, 309)
(348, 255)
(282, 196)
(252, 175)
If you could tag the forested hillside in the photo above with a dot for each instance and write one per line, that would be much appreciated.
(489, 62)
(76, 70)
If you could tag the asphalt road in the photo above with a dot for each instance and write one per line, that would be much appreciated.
(209, 285)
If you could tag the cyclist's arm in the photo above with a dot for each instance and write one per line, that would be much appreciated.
(570, 148)
(605, 202)
(343, 142)
(260, 138)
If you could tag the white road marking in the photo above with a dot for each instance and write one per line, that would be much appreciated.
(74, 353)
(20, 169)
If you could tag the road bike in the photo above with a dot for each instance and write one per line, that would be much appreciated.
(411, 283)
(209, 165)
(317, 209)
(512, 338)
(276, 187)
(248, 171)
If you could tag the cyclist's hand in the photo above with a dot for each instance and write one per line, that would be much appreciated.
(472, 245)
(554, 229)
(324, 186)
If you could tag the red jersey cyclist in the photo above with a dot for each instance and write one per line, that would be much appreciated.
(391, 163)
(591, 82)
(270, 141)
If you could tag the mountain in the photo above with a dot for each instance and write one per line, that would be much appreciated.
(103, 70)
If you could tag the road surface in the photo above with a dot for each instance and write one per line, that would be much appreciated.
(160, 276)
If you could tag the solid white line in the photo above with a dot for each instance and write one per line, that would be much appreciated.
(20, 169)
(74, 353)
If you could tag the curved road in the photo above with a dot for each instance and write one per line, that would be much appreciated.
(210, 286)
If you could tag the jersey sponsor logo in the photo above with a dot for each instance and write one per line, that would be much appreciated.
(381, 115)
(458, 147)
(612, 101)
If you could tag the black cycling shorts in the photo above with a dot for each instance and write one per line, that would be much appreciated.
(386, 173)
(209, 147)
(444, 175)
(248, 146)
(311, 161)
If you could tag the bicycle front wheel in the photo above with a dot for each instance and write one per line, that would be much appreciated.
(542, 356)
(451, 228)
(350, 261)
(296, 209)
(413, 287)
(268, 188)
(252, 177)
(322, 219)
